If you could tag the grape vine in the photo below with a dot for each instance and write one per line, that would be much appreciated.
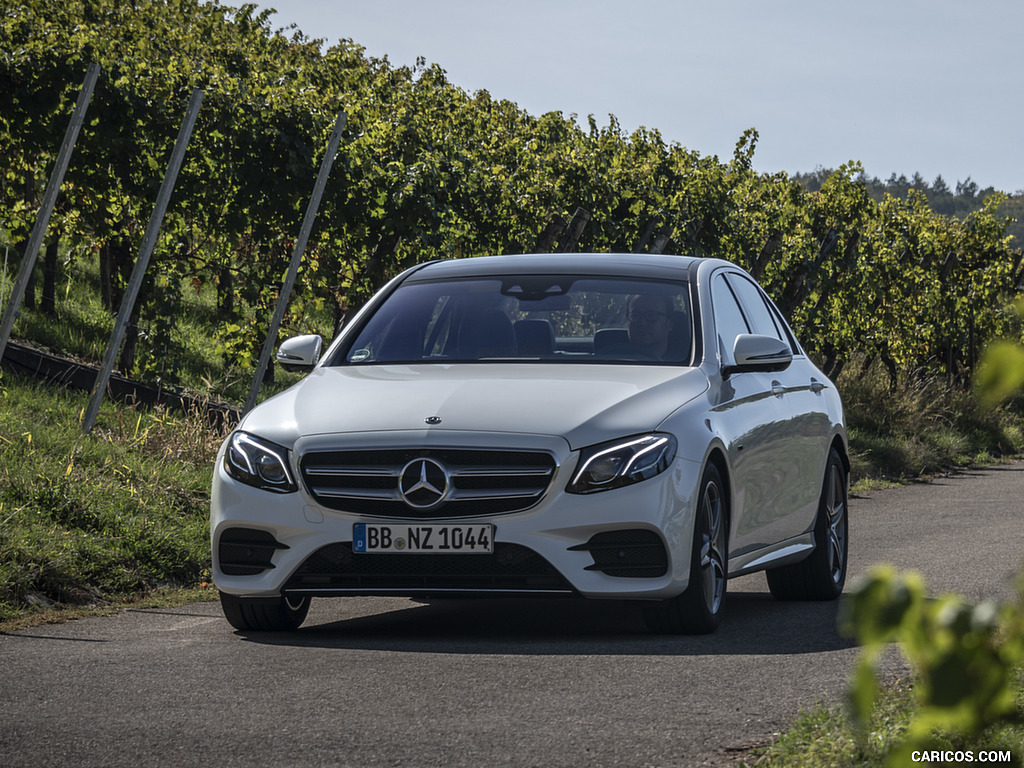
(426, 171)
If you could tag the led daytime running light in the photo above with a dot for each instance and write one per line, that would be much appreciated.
(613, 465)
(258, 463)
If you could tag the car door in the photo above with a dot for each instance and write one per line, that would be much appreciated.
(804, 443)
(752, 417)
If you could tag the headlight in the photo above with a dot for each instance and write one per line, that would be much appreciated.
(623, 462)
(259, 463)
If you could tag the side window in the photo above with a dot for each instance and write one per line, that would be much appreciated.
(761, 319)
(729, 322)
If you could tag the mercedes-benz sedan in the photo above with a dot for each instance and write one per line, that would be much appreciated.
(596, 425)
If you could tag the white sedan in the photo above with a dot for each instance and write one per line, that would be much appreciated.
(596, 425)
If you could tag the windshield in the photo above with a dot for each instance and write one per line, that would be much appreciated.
(546, 318)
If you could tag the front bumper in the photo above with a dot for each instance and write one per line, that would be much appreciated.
(630, 542)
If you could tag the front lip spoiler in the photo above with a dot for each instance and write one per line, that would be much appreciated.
(425, 592)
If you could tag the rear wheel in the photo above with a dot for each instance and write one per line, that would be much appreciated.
(822, 575)
(264, 614)
(698, 610)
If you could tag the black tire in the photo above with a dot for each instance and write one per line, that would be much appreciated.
(822, 575)
(698, 610)
(264, 614)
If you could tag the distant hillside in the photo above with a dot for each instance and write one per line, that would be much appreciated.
(965, 198)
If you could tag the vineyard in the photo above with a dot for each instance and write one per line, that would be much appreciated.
(426, 170)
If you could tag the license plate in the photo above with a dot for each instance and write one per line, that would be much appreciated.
(423, 539)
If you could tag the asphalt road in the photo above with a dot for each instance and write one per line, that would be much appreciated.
(391, 682)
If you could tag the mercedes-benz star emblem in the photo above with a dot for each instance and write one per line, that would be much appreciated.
(423, 483)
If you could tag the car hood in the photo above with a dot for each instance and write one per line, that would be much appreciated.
(585, 404)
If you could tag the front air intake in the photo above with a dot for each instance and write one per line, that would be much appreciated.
(246, 551)
(510, 569)
(634, 553)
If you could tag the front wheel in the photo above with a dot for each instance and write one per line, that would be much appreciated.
(264, 614)
(698, 610)
(820, 576)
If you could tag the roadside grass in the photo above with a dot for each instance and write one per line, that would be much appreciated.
(920, 427)
(159, 597)
(90, 520)
(825, 737)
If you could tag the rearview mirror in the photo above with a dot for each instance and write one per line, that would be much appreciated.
(300, 353)
(753, 352)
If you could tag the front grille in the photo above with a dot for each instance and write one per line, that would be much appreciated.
(480, 482)
(246, 551)
(634, 553)
(511, 568)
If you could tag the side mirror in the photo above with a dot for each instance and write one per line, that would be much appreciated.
(300, 353)
(758, 353)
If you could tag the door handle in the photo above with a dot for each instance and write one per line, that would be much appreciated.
(778, 390)
(816, 386)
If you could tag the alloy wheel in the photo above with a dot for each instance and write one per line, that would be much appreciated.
(712, 560)
(836, 511)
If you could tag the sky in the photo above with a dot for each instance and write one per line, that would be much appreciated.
(901, 86)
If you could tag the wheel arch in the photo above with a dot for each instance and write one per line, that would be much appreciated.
(716, 456)
(839, 445)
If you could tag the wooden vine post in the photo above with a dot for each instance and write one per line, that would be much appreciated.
(35, 240)
(293, 268)
(139, 270)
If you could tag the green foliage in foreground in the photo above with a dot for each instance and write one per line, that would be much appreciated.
(91, 518)
(965, 695)
(965, 658)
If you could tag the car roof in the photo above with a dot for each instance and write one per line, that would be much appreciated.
(642, 265)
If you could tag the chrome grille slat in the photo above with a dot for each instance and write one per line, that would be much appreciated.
(462, 495)
(333, 493)
(513, 472)
(350, 472)
(481, 482)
